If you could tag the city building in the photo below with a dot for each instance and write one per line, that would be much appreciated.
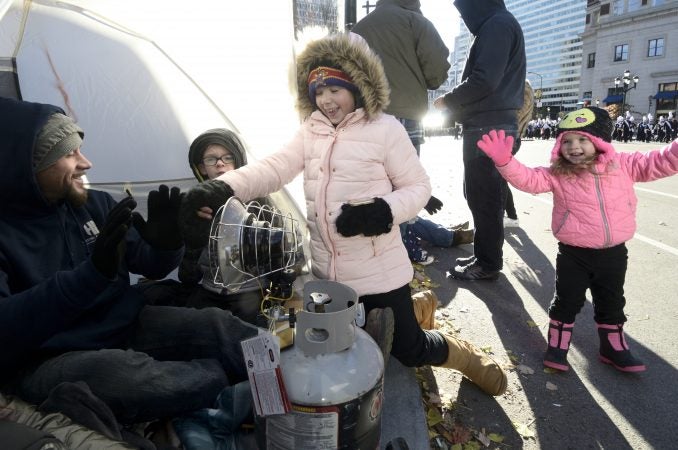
(630, 52)
(553, 47)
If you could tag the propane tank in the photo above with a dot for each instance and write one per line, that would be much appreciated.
(333, 374)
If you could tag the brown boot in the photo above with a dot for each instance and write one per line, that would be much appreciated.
(476, 365)
(425, 304)
(462, 237)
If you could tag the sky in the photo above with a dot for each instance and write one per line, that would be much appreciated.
(442, 13)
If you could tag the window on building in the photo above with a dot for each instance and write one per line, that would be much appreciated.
(617, 7)
(621, 52)
(588, 19)
(667, 97)
(655, 47)
(605, 9)
(643, 2)
(591, 61)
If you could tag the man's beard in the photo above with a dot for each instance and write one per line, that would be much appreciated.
(75, 197)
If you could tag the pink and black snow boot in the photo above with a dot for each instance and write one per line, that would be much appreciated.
(615, 351)
(558, 344)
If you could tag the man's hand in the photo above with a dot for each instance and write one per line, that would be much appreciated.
(371, 219)
(197, 207)
(109, 248)
(433, 205)
(161, 230)
(497, 146)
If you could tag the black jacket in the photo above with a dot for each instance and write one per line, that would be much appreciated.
(491, 90)
(52, 299)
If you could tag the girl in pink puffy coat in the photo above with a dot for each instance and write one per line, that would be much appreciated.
(594, 209)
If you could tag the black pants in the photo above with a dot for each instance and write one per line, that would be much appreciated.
(485, 192)
(601, 270)
(412, 346)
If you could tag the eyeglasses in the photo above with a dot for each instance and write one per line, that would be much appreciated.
(212, 160)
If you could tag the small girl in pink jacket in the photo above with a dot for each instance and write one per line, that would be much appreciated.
(594, 209)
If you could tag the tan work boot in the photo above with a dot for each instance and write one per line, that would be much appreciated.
(425, 304)
(476, 365)
(462, 237)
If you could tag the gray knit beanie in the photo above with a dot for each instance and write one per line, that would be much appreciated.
(59, 136)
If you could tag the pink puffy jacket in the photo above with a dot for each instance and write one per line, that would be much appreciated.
(595, 210)
(358, 159)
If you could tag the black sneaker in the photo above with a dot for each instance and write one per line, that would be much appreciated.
(465, 261)
(473, 271)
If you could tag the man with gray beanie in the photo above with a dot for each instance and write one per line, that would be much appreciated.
(67, 310)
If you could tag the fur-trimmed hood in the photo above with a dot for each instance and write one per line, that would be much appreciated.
(350, 53)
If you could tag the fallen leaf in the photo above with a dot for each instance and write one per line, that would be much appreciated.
(483, 438)
(433, 417)
(525, 370)
(532, 323)
(494, 437)
(551, 387)
(551, 370)
(523, 430)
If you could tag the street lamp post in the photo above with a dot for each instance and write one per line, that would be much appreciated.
(624, 83)
(538, 94)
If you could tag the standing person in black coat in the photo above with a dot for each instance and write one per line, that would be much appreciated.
(489, 96)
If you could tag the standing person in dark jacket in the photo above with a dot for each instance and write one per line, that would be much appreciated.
(67, 310)
(415, 59)
(490, 93)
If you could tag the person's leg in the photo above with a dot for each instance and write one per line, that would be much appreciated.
(412, 346)
(607, 291)
(431, 232)
(415, 347)
(572, 281)
(178, 360)
(485, 194)
(509, 206)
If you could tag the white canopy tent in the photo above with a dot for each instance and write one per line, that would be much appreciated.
(143, 79)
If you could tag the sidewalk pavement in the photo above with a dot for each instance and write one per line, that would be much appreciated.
(403, 414)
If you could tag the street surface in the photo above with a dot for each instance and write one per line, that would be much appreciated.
(593, 406)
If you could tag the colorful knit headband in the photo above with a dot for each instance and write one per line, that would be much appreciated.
(328, 76)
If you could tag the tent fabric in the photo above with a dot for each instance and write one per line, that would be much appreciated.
(613, 99)
(666, 95)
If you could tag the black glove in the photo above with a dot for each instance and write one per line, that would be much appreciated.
(371, 219)
(109, 248)
(433, 205)
(195, 229)
(190, 271)
(161, 230)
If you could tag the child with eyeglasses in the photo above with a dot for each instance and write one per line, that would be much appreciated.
(212, 154)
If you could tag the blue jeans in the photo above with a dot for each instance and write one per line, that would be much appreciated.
(485, 192)
(176, 360)
(431, 232)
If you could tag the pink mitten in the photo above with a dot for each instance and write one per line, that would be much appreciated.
(497, 146)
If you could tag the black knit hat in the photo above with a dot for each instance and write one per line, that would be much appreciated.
(219, 136)
(592, 120)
